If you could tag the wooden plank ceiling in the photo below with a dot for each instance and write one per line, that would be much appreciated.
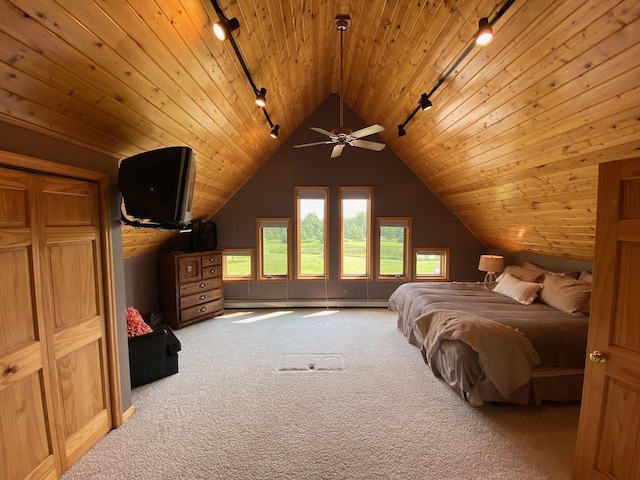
(511, 145)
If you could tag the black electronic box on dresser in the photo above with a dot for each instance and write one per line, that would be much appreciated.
(191, 287)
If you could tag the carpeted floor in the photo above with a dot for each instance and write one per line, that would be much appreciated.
(321, 394)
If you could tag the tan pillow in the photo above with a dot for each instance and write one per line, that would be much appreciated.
(586, 276)
(512, 287)
(522, 273)
(566, 294)
(533, 266)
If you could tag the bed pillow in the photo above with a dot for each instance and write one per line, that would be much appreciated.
(512, 287)
(586, 276)
(566, 294)
(533, 266)
(522, 273)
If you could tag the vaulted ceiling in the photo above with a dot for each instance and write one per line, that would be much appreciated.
(512, 144)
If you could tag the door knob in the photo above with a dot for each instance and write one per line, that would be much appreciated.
(597, 356)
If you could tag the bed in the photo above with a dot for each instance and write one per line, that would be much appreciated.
(496, 347)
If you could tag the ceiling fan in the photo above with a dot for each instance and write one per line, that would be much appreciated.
(344, 136)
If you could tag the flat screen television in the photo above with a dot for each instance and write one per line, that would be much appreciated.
(157, 186)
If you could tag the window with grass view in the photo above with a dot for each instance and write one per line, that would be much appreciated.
(431, 263)
(355, 225)
(237, 264)
(393, 248)
(311, 238)
(273, 241)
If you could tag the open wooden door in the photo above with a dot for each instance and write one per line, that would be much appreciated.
(608, 444)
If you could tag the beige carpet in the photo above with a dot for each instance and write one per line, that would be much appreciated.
(321, 394)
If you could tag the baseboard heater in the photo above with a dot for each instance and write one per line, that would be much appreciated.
(307, 303)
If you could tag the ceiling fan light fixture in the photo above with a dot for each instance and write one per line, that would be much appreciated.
(485, 32)
(275, 131)
(223, 28)
(425, 103)
(261, 97)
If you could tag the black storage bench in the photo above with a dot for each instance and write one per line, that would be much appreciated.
(153, 355)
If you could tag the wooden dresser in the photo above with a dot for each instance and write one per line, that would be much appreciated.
(191, 287)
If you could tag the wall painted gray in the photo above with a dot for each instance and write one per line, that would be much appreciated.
(397, 192)
(25, 142)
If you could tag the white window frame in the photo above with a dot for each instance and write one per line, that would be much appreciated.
(272, 222)
(316, 193)
(231, 252)
(401, 222)
(355, 193)
(443, 276)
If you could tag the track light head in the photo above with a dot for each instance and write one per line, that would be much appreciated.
(261, 97)
(425, 103)
(485, 32)
(223, 28)
(275, 131)
(401, 131)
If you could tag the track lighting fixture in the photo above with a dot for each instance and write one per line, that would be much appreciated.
(482, 37)
(224, 27)
(261, 97)
(425, 103)
(485, 32)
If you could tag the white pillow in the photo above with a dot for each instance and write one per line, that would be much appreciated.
(523, 292)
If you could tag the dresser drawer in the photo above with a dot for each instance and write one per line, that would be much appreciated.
(200, 297)
(201, 286)
(207, 309)
(209, 271)
(188, 269)
(211, 259)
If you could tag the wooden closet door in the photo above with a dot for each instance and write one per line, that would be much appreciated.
(608, 444)
(69, 242)
(27, 445)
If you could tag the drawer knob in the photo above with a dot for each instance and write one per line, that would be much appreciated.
(212, 259)
(202, 297)
(202, 285)
(213, 270)
(189, 269)
(13, 369)
(203, 309)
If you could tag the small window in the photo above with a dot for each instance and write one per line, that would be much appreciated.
(274, 246)
(393, 248)
(355, 236)
(312, 258)
(431, 264)
(237, 264)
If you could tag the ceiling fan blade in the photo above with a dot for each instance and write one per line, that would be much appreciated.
(322, 131)
(326, 142)
(366, 144)
(370, 130)
(337, 150)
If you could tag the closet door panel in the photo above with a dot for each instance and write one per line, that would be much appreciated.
(23, 423)
(16, 298)
(27, 443)
(72, 283)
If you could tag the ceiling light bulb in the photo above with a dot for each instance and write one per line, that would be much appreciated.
(425, 103)
(224, 27)
(485, 33)
(261, 98)
(275, 131)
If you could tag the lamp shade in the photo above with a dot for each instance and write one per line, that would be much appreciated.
(491, 263)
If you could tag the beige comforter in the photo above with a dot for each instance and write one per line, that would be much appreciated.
(505, 355)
